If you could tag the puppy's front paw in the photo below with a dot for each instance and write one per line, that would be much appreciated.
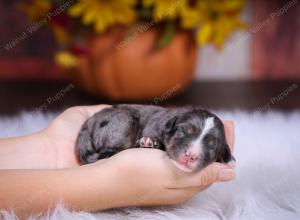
(149, 142)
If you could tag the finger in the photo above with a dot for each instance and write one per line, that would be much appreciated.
(215, 172)
(229, 133)
(194, 190)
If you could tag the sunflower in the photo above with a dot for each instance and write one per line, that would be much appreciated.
(217, 31)
(165, 9)
(190, 17)
(103, 14)
(215, 19)
(66, 59)
(218, 20)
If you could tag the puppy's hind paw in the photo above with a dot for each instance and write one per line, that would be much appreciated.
(149, 142)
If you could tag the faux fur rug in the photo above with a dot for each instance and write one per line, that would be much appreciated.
(268, 174)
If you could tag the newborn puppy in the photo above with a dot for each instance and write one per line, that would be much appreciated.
(192, 137)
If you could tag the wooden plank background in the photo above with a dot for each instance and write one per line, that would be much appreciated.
(276, 44)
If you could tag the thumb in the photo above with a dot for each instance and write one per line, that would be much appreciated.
(215, 172)
(92, 109)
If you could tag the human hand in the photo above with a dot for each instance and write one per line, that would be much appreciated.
(61, 134)
(147, 177)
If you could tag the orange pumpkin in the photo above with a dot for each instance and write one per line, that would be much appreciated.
(133, 69)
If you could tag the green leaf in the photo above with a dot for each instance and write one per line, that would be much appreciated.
(167, 35)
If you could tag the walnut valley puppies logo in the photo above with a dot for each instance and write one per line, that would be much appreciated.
(52, 99)
(277, 99)
(37, 25)
(264, 23)
(166, 95)
(284, 9)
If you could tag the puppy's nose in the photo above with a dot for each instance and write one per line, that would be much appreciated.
(189, 156)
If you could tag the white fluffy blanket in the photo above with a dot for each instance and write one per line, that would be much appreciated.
(268, 174)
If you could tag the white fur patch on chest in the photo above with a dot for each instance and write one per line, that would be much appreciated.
(196, 145)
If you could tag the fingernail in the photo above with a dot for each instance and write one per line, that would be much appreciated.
(226, 174)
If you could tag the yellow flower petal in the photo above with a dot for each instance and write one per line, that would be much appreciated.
(76, 10)
(165, 9)
(148, 3)
(89, 17)
(233, 5)
(100, 26)
(218, 20)
(190, 18)
(66, 60)
(60, 34)
(103, 14)
(204, 34)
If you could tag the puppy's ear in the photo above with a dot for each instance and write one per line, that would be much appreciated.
(84, 145)
(224, 156)
(170, 125)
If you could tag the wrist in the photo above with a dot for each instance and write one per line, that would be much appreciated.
(46, 150)
(104, 185)
(93, 187)
(27, 152)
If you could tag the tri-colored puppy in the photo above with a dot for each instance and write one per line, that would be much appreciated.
(192, 137)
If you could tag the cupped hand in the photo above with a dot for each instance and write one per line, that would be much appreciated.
(61, 134)
(147, 177)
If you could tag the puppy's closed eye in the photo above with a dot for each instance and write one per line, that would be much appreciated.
(183, 131)
(211, 141)
(190, 130)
